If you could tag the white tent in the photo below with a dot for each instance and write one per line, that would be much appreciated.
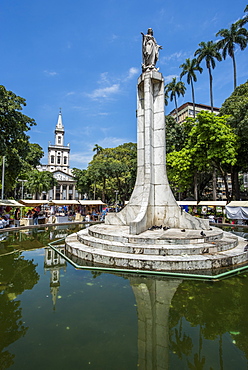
(10, 202)
(237, 210)
(88, 202)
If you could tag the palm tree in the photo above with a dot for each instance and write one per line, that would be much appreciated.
(209, 52)
(174, 89)
(39, 182)
(97, 148)
(189, 69)
(244, 20)
(235, 35)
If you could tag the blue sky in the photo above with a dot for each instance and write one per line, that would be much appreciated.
(85, 58)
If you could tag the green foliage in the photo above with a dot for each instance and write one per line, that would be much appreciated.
(13, 123)
(175, 134)
(180, 167)
(208, 51)
(235, 35)
(113, 169)
(40, 181)
(14, 141)
(212, 139)
(82, 180)
(189, 69)
(236, 106)
(209, 142)
(174, 89)
(34, 155)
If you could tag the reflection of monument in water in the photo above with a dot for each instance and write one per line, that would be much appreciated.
(129, 239)
(153, 298)
(54, 262)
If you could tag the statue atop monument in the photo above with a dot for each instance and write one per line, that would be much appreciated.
(150, 50)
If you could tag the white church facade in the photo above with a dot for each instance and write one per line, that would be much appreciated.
(59, 165)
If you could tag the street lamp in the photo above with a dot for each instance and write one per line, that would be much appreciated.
(22, 181)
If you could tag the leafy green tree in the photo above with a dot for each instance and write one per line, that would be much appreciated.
(114, 169)
(174, 89)
(211, 143)
(236, 35)
(175, 135)
(34, 155)
(189, 69)
(236, 106)
(208, 51)
(82, 180)
(14, 141)
(39, 181)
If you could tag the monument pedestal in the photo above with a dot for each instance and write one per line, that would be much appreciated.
(152, 201)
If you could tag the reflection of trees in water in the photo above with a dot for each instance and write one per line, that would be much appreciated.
(216, 309)
(35, 237)
(16, 275)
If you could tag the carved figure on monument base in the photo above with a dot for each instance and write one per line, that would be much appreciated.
(150, 51)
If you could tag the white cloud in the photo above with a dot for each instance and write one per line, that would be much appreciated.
(111, 142)
(111, 86)
(81, 157)
(175, 56)
(169, 78)
(113, 37)
(70, 93)
(104, 78)
(50, 73)
(132, 72)
(105, 92)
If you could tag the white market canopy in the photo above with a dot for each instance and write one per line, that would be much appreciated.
(63, 202)
(88, 202)
(213, 203)
(33, 202)
(40, 202)
(10, 202)
(187, 202)
(237, 210)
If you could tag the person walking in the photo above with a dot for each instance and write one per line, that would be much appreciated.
(17, 217)
(35, 216)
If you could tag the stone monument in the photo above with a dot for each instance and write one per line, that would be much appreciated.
(152, 202)
(127, 240)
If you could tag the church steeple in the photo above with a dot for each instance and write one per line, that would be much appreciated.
(59, 131)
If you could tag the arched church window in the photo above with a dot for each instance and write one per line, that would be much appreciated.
(59, 139)
(52, 158)
(58, 160)
(65, 160)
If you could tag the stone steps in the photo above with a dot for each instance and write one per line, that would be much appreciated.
(157, 236)
(120, 251)
(155, 249)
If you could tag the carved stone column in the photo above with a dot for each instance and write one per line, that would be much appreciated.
(152, 201)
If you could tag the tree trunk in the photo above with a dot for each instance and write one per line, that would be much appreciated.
(224, 178)
(103, 189)
(193, 96)
(195, 187)
(175, 100)
(211, 89)
(234, 72)
(235, 183)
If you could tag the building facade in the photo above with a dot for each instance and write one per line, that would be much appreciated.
(186, 110)
(59, 165)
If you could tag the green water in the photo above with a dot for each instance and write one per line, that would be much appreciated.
(53, 316)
